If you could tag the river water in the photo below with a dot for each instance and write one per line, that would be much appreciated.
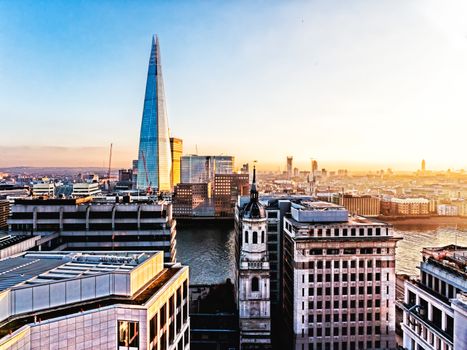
(209, 248)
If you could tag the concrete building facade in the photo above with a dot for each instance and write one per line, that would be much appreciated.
(83, 224)
(435, 305)
(338, 279)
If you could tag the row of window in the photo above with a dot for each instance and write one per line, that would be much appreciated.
(345, 277)
(345, 291)
(254, 237)
(314, 305)
(345, 251)
(345, 232)
(326, 332)
(174, 315)
(336, 264)
(327, 318)
(347, 346)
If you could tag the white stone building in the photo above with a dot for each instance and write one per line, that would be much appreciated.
(253, 284)
(435, 305)
(338, 279)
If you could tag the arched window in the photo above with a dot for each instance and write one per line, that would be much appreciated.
(255, 284)
(255, 237)
(262, 236)
(246, 236)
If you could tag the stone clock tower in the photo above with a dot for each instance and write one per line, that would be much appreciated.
(253, 276)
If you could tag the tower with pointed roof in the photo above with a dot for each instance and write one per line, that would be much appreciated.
(254, 276)
(154, 157)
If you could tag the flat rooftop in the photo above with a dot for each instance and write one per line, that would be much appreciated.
(451, 256)
(352, 220)
(32, 268)
(87, 200)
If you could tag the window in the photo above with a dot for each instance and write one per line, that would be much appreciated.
(128, 335)
(255, 284)
(246, 236)
(262, 236)
(255, 237)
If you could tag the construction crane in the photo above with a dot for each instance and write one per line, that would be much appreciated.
(148, 189)
(110, 165)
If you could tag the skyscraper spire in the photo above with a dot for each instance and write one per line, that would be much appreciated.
(154, 157)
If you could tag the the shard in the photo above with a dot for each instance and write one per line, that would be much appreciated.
(154, 158)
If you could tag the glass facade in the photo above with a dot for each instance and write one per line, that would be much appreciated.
(201, 169)
(154, 157)
(197, 169)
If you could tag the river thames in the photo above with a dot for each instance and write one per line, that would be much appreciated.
(209, 248)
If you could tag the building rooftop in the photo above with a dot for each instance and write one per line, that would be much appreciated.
(451, 256)
(33, 268)
(89, 200)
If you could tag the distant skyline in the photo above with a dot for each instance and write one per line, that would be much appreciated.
(357, 85)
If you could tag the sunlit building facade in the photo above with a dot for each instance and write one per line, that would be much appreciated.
(154, 156)
(105, 300)
(176, 149)
(338, 279)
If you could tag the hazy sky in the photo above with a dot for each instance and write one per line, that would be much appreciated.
(351, 83)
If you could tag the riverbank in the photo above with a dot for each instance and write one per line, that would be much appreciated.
(433, 221)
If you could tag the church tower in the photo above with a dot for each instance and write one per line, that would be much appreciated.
(253, 276)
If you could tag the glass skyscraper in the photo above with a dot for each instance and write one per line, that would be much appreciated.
(154, 158)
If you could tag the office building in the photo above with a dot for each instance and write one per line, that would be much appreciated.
(154, 158)
(85, 225)
(423, 165)
(314, 166)
(176, 149)
(361, 205)
(101, 300)
(338, 279)
(192, 200)
(197, 169)
(253, 290)
(435, 305)
(85, 189)
(125, 175)
(227, 188)
(289, 166)
(201, 169)
(224, 164)
(43, 189)
(245, 169)
(4, 212)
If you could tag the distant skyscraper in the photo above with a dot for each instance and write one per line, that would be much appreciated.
(224, 164)
(423, 165)
(154, 158)
(176, 148)
(289, 166)
(314, 166)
